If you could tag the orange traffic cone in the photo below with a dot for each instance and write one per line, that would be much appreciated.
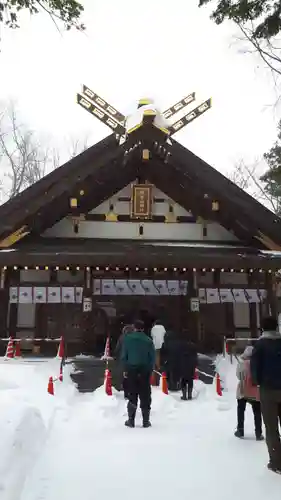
(17, 352)
(196, 374)
(108, 383)
(61, 374)
(60, 354)
(51, 386)
(153, 379)
(164, 385)
(218, 385)
(10, 349)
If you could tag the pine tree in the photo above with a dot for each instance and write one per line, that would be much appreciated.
(272, 177)
(68, 11)
(265, 14)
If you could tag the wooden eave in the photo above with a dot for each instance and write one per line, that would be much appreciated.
(84, 253)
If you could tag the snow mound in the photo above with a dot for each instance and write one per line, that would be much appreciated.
(23, 436)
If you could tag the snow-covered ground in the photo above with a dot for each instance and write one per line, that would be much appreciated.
(74, 446)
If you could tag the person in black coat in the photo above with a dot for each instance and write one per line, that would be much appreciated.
(127, 329)
(266, 374)
(181, 359)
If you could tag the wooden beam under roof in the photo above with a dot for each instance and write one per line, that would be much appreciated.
(170, 181)
(93, 197)
(222, 188)
(61, 190)
(60, 174)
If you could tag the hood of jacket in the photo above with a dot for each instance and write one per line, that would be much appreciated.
(247, 353)
(271, 335)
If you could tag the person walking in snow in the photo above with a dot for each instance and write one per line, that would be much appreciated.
(138, 358)
(118, 350)
(181, 359)
(247, 393)
(158, 333)
(266, 374)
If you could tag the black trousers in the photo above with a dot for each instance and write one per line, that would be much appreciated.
(138, 385)
(256, 406)
(187, 386)
(271, 412)
(125, 387)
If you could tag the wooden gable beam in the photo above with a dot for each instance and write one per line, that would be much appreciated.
(257, 217)
(168, 179)
(114, 177)
(61, 174)
(34, 210)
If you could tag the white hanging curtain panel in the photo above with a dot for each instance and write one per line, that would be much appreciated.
(40, 294)
(202, 296)
(226, 295)
(25, 295)
(252, 295)
(54, 294)
(239, 295)
(213, 296)
(14, 294)
(135, 287)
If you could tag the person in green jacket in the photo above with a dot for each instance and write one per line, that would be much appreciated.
(138, 359)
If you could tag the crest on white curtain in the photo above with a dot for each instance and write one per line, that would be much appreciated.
(25, 295)
(97, 287)
(108, 287)
(202, 295)
(239, 295)
(226, 295)
(149, 287)
(213, 296)
(173, 287)
(54, 294)
(14, 294)
(40, 294)
(135, 287)
(161, 286)
(183, 285)
(78, 294)
(252, 295)
(68, 294)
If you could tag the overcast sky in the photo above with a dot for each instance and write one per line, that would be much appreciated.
(132, 50)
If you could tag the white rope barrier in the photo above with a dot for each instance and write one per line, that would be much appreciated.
(28, 339)
(199, 371)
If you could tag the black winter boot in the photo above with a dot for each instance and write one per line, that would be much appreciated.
(189, 395)
(239, 433)
(131, 414)
(130, 423)
(145, 417)
(259, 437)
(184, 393)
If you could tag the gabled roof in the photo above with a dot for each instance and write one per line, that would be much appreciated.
(107, 167)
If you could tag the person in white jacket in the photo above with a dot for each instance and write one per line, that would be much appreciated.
(158, 333)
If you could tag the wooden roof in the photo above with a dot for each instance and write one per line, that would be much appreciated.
(107, 167)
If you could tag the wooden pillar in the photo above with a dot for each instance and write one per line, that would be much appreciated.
(271, 298)
(194, 313)
(87, 308)
(13, 279)
(42, 312)
(253, 279)
(4, 308)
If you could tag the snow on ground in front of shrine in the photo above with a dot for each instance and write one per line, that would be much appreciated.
(75, 445)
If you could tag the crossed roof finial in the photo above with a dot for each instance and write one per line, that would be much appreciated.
(115, 120)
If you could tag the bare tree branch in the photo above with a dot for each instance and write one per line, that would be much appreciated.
(23, 159)
(247, 177)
